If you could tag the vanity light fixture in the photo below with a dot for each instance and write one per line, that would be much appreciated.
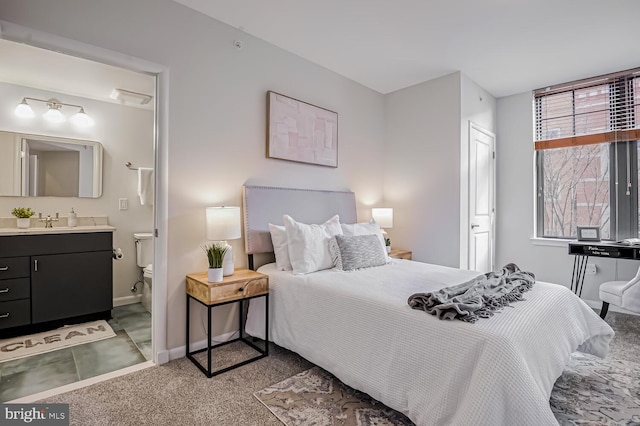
(54, 113)
(23, 110)
(81, 119)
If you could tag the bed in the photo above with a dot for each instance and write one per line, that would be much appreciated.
(358, 326)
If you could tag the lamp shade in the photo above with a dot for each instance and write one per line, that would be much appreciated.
(54, 115)
(223, 223)
(383, 216)
(23, 110)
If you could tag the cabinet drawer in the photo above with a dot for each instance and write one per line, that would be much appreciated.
(14, 267)
(15, 313)
(17, 288)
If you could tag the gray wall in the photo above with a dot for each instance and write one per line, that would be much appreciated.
(422, 169)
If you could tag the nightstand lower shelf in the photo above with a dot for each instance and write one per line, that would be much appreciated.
(263, 352)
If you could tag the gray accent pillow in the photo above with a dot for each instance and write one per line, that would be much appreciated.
(356, 252)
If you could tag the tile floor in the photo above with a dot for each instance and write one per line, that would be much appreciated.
(130, 346)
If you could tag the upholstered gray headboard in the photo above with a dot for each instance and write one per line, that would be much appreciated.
(264, 205)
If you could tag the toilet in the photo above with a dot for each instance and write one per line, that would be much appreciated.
(144, 259)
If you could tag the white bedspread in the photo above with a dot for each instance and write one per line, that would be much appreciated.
(498, 371)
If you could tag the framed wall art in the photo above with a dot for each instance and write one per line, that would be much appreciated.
(588, 233)
(298, 131)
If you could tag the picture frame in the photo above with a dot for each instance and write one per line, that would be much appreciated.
(301, 132)
(588, 233)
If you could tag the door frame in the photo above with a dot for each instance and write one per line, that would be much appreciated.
(465, 210)
(18, 33)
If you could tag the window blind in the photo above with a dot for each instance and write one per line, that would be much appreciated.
(597, 110)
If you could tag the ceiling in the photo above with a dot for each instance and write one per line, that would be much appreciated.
(42, 69)
(506, 46)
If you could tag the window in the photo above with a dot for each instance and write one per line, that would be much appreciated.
(587, 156)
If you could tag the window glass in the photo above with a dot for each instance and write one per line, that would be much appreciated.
(576, 190)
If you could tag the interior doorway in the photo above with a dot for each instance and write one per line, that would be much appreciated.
(128, 134)
(482, 204)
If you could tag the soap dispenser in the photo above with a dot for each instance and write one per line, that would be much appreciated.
(72, 220)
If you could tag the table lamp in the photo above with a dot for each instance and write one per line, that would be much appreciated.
(223, 223)
(384, 218)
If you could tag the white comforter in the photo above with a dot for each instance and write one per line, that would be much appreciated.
(498, 371)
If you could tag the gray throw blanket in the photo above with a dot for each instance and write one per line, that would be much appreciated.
(477, 298)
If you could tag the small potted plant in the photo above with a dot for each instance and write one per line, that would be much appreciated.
(387, 243)
(215, 255)
(23, 214)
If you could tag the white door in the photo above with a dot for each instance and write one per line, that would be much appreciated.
(481, 198)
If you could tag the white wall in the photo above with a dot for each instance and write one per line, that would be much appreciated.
(422, 169)
(427, 158)
(217, 110)
(515, 208)
(479, 107)
(126, 134)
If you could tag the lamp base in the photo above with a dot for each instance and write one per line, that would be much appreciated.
(227, 262)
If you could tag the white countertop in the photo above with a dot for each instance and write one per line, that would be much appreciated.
(56, 230)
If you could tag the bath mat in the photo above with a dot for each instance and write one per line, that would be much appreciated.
(315, 397)
(64, 337)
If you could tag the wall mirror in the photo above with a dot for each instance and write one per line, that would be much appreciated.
(44, 166)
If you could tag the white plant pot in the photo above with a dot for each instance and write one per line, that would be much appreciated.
(23, 222)
(215, 275)
(388, 249)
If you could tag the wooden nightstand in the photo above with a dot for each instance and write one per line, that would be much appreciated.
(243, 285)
(400, 254)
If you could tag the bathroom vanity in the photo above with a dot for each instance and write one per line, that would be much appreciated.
(51, 277)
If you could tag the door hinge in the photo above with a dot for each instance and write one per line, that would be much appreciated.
(494, 155)
(155, 232)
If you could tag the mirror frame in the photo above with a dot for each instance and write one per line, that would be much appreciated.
(97, 159)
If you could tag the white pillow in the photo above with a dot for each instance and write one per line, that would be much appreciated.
(354, 229)
(280, 247)
(309, 244)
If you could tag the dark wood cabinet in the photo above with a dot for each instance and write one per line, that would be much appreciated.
(55, 278)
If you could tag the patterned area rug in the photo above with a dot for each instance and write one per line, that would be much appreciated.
(315, 397)
(591, 391)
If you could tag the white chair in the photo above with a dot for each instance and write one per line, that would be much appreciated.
(625, 294)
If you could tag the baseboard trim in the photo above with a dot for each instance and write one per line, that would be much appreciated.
(180, 351)
(127, 300)
(597, 304)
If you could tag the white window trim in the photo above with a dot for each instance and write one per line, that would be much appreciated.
(550, 242)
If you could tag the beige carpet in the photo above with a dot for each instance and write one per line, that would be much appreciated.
(48, 341)
(178, 394)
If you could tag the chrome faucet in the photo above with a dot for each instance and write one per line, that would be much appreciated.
(48, 221)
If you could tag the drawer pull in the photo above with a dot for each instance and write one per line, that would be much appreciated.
(4, 268)
(241, 289)
(4, 290)
(5, 315)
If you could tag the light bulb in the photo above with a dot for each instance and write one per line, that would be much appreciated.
(54, 115)
(81, 119)
(23, 110)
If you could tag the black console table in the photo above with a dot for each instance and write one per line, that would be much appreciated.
(582, 250)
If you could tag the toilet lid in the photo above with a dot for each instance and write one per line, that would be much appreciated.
(148, 269)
